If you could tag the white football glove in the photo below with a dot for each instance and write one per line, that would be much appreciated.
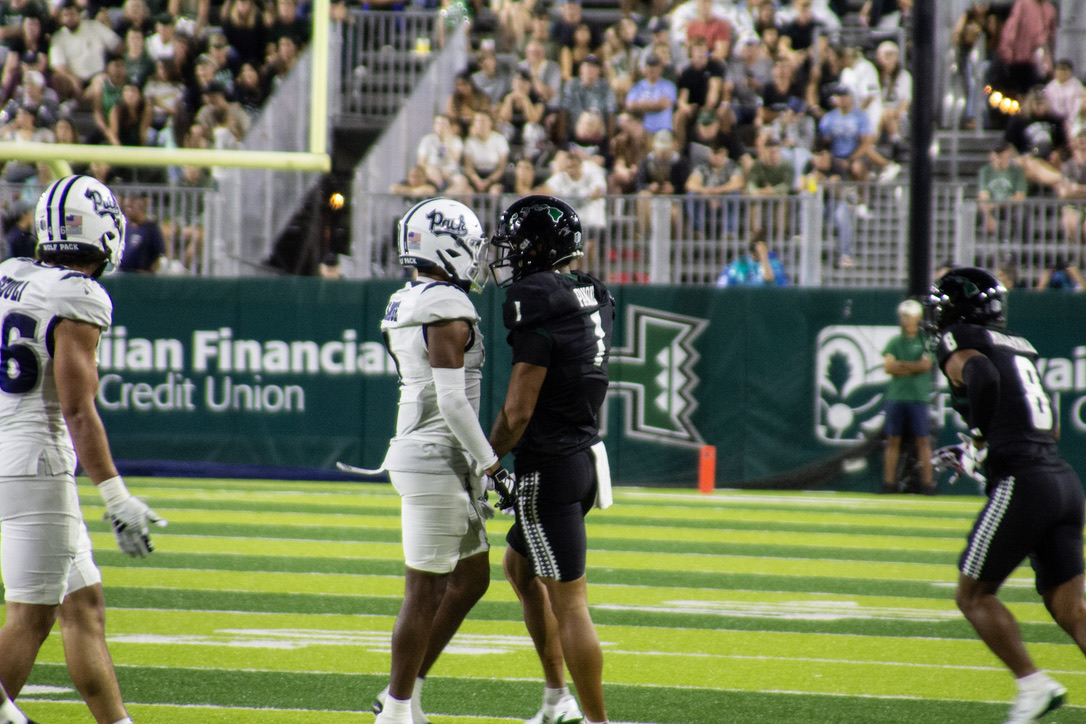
(129, 517)
(964, 458)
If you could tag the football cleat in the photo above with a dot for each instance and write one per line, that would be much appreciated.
(1032, 704)
(417, 717)
(565, 711)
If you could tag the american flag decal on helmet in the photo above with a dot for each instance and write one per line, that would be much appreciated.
(73, 224)
(414, 241)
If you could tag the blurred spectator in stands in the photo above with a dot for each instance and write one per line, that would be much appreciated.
(225, 123)
(663, 173)
(1026, 44)
(78, 50)
(20, 240)
(1001, 186)
(466, 101)
(546, 74)
(134, 14)
(218, 47)
(329, 267)
(654, 97)
(590, 136)
(520, 116)
(486, 154)
(144, 247)
(758, 266)
(587, 91)
(781, 90)
(564, 28)
(416, 185)
(1062, 276)
(65, 132)
(796, 131)
(700, 86)
(582, 183)
(861, 75)
(746, 79)
(130, 119)
(514, 20)
(164, 91)
(770, 35)
(851, 138)
(138, 63)
(798, 35)
(539, 31)
(714, 184)
(1064, 92)
(104, 172)
(882, 14)
(491, 79)
(194, 14)
(282, 62)
(161, 45)
(770, 175)
(282, 20)
(29, 50)
(249, 91)
(896, 93)
(673, 58)
(628, 149)
(824, 80)
(620, 55)
(714, 30)
(1039, 136)
(571, 57)
(522, 182)
(439, 153)
(1072, 186)
(825, 171)
(1007, 273)
(975, 23)
(244, 29)
(713, 130)
(42, 102)
(104, 93)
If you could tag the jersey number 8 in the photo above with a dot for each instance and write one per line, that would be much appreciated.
(1040, 409)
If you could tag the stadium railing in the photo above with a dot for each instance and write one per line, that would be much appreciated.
(690, 240)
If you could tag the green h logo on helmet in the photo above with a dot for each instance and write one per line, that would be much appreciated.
(554, 213)
(654, 375)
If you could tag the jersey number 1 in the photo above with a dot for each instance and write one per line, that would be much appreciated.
(18, 363)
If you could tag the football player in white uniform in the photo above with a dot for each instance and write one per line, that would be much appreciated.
(52, 312)
(440, 451)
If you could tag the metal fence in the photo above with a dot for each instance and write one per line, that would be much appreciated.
(842, 235)
(179, 211)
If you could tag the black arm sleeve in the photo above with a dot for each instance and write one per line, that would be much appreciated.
(982, 385)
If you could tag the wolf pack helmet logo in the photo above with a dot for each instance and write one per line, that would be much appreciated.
(654, 375)
(440, 225)
(850, 382)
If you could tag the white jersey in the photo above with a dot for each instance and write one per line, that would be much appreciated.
(423, 442)
(34, 439)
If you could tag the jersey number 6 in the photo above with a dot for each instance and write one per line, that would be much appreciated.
(18, 363)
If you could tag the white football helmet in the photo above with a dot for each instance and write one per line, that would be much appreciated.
(80, 216)
(445, 234)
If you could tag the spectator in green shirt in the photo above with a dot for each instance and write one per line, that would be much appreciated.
(1002, 183)
(908, 397)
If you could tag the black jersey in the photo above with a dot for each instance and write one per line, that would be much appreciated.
(1023, 422)
(562, 322)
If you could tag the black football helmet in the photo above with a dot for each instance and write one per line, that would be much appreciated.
(536, 233)
(967, 295)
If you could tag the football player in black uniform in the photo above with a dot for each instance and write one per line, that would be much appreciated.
(1035, 502)
(559, 325)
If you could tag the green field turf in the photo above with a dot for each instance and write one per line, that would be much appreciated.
(274, 601)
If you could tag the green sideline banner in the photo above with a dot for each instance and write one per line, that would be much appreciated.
(292, 372)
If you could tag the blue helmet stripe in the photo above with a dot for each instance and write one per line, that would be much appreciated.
(60, 209)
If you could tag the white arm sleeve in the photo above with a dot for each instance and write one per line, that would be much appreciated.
(452, 401)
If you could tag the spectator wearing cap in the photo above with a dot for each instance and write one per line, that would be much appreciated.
(654, 97)
(712, 130)
(589, 90)
(243, 26)
(862, 77)
(520, 115)
(663, 173)
(104, 93)
(715, 178)
(1001, 186)
(852, 138)
(675, 55)
(629, 148)
(224, 122)
(78, 50)
(1064, 91)
(545, 74)
(771, 175)
(29, 50)
(20, 241)
(746, 79)
(715, 31)
(896, 92)
(700, 86)
(161, 45)
(491, 79)
(42, 102)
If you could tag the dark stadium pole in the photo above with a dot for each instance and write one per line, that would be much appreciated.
(923, 121)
